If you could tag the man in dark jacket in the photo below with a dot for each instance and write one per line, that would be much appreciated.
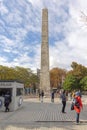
(63, 97)
(7, 100)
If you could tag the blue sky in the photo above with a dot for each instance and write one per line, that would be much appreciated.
(20, 32)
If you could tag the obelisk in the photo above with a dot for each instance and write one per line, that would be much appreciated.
(44, 71)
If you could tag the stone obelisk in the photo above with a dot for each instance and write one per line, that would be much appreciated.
(44, 71)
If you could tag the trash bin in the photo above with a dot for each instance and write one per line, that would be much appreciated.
(16, 90)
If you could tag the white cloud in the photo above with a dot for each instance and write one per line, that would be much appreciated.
(76, 47)
(3, 9)
(67, 31)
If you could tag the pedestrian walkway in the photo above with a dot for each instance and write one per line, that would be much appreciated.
(35, 115)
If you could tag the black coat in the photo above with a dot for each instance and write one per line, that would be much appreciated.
(7, 99)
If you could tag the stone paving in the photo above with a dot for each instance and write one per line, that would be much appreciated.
(42, 116)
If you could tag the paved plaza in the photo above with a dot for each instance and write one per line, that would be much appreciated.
(35, 115)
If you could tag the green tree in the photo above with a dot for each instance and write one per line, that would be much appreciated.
(83, 83)
(79, 72)
(22, 74)
(7, 73)
(26, 76)
(70, 83)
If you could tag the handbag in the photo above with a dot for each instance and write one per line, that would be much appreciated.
(72, 106)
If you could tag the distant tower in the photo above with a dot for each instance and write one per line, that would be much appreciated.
(44, 72)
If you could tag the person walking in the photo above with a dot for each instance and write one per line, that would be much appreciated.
(64, 98)
(39, 94)
(7, 100)
(52, 96)
(78, 106)
(42, 95)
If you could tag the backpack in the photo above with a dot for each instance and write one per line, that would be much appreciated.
(72, 106)
(76, 103)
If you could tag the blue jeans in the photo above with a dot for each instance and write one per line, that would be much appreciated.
(77, 117)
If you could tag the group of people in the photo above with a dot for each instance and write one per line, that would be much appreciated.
(77, 102)
(76, 97)
(41, 96)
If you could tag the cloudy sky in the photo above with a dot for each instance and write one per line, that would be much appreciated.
(20, 32)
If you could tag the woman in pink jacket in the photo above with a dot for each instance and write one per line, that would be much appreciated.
(78, 106)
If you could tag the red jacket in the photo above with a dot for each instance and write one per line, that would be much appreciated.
(78, 110)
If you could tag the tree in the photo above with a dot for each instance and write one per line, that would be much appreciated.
(83, 83)
(70, 83)
(26, 76)
(56, 75)
(79, 72)
(22, 74)
(7, 73)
